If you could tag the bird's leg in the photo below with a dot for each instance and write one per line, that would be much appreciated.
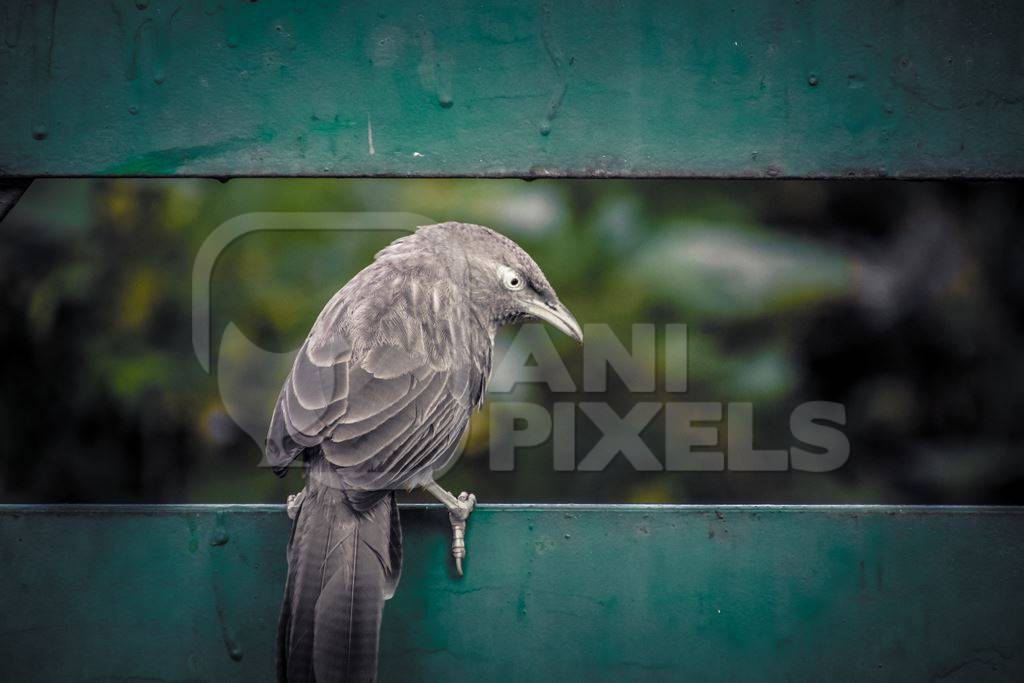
(295, 502)
(459, 510)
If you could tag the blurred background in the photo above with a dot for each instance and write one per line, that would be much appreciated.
(904, 301)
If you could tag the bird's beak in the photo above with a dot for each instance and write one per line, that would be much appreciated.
(556, 314)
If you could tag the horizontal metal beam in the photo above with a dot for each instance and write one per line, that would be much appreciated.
(833, 88)
(550, 593)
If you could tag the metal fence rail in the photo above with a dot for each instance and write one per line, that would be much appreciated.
(551, 593)
(833, 88)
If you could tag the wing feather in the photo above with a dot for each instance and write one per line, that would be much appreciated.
(382, 392)
(345, 431)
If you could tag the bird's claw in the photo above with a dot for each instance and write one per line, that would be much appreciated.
(294, 503)
(466, 503)
(458, 516)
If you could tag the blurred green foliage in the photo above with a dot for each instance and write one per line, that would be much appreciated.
(903, 301)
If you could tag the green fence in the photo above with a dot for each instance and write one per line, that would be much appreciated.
(832, 88)
(801, 593)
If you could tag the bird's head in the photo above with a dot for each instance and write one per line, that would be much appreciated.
(504, 285)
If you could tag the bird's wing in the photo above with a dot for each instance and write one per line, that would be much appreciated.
(382, 411)
(401, 430)
(314, 394)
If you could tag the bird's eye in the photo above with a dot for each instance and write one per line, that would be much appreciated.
(512, 280)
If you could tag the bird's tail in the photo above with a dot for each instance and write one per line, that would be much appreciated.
(344, 561)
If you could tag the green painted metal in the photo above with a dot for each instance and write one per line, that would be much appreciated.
(551, 593)
(832, 88)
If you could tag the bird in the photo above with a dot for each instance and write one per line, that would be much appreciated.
(376, 401)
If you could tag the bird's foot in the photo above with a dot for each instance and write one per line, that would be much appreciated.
(457, 515)
(294, 503)
(463, 507)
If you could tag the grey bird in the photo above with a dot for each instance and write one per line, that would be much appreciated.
(377, 400)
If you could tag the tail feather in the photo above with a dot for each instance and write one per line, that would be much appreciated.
(342, 565)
